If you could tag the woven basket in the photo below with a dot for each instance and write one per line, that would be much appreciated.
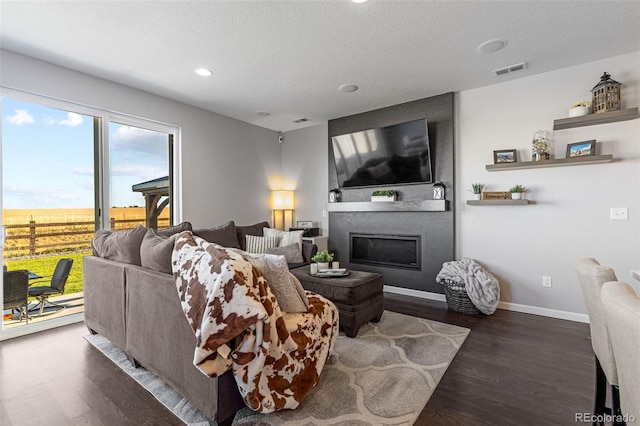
(457, 298)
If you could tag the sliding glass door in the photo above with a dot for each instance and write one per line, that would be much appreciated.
(65, 173)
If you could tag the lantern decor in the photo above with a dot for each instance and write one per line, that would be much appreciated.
(606, 95)
(438, 191)
(541, 145)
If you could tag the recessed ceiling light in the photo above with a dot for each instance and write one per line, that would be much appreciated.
(263, 113)
(348, 88)
(491, 46)
(359, 1)
(203, 72)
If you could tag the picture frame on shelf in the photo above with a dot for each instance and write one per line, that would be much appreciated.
(502, 156)
(304, 224)
(581, 149)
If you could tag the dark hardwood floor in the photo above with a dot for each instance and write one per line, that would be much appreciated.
(513, 369)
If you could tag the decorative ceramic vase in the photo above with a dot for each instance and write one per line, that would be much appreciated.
(541, 145)
(578, 111)
(516, 195)
(323, 265)
(476, 196)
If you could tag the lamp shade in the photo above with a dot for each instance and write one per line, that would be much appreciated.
(282, 200)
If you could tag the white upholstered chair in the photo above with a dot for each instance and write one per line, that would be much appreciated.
(622, 312)
(592, 276)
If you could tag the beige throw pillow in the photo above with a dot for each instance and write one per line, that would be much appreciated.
(284, 238)
(289, 292)
(257, 244)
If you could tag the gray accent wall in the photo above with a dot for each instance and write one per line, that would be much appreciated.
(436, 229)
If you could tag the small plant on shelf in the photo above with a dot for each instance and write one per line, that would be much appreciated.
(384, 195)
(323, 257)
(477, 187)
(517, 191)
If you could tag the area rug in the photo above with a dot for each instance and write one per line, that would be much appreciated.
(385, 376)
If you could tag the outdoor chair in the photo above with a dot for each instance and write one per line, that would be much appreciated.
(56, 286)
(16, 292)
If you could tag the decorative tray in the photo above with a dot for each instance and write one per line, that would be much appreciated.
(331, 273)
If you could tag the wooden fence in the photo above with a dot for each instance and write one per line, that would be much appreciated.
(36, 238)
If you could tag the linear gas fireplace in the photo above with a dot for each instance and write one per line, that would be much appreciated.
(396, 251)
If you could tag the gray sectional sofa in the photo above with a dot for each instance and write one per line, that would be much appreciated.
(131, 299)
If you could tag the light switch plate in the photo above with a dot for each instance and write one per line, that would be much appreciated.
(619, 213)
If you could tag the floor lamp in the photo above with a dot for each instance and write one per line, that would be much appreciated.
(282, 204)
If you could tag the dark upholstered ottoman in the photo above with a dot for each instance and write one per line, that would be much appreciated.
(358, 296)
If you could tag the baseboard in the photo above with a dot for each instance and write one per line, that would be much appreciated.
(507, 306)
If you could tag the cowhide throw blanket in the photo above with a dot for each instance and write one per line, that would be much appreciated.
(276, 358)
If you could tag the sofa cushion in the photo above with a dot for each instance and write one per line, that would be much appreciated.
(291, 252)
(284, 238)
(243, 231)
(255, 244)
(155, 251)
(120, 246)
(223, 235)
(176, 229)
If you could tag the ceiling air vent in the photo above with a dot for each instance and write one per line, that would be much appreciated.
(301, 120)
(510, 69)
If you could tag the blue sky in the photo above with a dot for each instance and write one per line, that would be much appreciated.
(47, 158)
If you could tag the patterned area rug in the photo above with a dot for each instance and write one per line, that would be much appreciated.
(385, 376)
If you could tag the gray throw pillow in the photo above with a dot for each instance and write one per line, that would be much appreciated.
(224, 235)
(120, 246)
(156, 250)
(245, 230)
(176, 229)
(291, 253)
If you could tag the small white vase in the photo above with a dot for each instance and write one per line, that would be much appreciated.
(516, 195)
(578, 111)
(476, 196)
(322, 266)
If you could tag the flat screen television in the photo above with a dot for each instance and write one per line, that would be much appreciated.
(392, 155)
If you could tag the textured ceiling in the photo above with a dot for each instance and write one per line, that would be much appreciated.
(289, 57)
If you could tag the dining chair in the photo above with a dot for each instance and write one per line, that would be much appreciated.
(591, 276)
(56, 286)
(622, 313)
(16, 292)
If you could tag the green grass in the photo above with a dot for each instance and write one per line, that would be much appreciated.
(45, 266)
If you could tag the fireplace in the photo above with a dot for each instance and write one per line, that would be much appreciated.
(395, 251)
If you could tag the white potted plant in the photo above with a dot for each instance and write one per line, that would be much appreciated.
(477, 190)
(579, 109)
(322, 259)
(517, 192)
(384, 195)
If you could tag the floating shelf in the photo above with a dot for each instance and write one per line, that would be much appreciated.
(594, 119)
(390, 206)
(497, 202)
(574, 161)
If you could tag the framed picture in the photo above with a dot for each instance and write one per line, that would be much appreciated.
(304, 224)
(581, 149)
(505, 156)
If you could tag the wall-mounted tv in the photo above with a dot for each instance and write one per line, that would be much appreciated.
(392, 155)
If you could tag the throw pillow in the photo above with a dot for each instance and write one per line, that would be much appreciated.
(275, 270)
(155, 251)
(176, 229)
(243, 231)
(284, 238)
(257, 244)
(120, 246)
(291, 253)
(224, 235)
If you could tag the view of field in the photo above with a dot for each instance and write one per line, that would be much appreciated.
(38, 238)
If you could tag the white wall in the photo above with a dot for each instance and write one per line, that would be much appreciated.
(570, 217)
(304, 168)
(228, 165)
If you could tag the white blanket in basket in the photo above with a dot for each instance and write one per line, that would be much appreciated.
(482, 288)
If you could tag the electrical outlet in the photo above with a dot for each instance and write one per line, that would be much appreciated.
(324, 213)
(619, 213)
(546, 281)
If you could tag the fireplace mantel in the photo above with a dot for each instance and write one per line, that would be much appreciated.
(390, 206)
